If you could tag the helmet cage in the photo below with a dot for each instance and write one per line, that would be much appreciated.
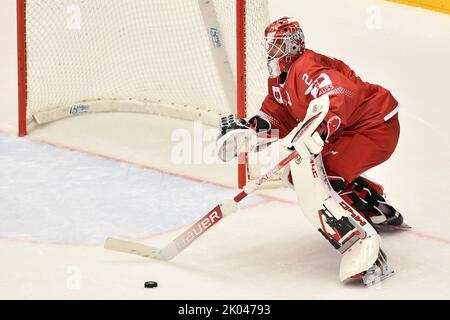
(276, 47)
(283, 50)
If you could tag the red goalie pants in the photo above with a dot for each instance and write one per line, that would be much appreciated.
(354, 152)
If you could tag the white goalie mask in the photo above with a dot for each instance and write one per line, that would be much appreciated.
(285, 42)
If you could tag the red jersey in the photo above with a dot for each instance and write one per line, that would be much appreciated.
(358, 104)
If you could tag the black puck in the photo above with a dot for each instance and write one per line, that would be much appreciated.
(151, 284)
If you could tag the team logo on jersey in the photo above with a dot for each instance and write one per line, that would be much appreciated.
(278, 95)
(319, 86)
(289, 102)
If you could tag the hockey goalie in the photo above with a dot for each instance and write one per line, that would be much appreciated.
(359, 130)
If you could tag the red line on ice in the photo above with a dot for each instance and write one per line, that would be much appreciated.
(149, 167)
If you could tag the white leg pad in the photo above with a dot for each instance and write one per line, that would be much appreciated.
(360, 257)
(359, 242)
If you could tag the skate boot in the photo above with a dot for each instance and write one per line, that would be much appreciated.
(378, 211)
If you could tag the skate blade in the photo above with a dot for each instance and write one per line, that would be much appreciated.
(386, 227)
(373, 279)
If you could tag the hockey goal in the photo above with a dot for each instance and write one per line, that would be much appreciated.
(188, 59)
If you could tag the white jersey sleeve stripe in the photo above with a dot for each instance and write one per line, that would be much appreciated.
(392, 113)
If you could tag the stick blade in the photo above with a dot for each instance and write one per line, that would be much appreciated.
(133, 248)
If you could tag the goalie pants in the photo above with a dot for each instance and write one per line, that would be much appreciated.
(355, 151)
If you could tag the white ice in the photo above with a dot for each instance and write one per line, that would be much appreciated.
(268, 250)
(64, 196)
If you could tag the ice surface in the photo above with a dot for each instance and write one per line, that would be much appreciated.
(64, 196)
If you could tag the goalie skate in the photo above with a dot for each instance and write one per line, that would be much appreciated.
(368, 197)
(394, 222)
(378, 272)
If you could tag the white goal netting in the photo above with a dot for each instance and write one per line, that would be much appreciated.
(169, 57)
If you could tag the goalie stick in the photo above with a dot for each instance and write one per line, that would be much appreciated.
(316, 113)
(196, 230)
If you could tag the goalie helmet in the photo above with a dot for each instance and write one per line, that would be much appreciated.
(285, 42)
